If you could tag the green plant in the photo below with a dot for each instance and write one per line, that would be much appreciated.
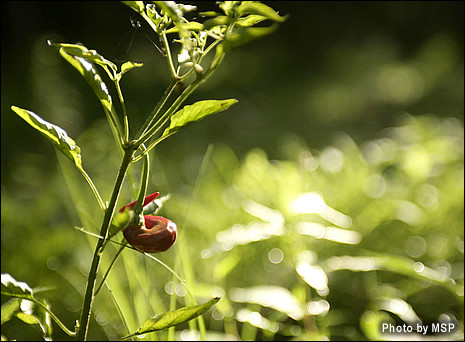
(191, 58)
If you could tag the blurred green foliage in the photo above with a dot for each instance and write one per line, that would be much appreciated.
(330, 199)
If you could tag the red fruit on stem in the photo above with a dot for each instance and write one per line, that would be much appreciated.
(158, 235)
(147, 200)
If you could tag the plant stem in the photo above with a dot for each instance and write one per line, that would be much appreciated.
(94, 189)
(92, 277)
(173, 108)
(165, 43)
(156, 110)
(125, 114)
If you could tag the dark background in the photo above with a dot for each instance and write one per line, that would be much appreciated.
(321, 44)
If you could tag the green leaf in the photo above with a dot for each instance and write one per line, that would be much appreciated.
(34, 311)
(195, 112)
(9, 309)
(79, 50)
(208, 14)
(217, 21)
(36, 316)
(190, 26)
(54, 133)
(250, 20)
(169, 8)
(129, 65)
(137, 6)
(83, 60)
(90, 73)
(13, 288)
(246, 34)
(172, 318)
(29, 319)
(252, 7)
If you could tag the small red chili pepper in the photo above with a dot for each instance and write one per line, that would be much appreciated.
(147, 200)
(158, 235)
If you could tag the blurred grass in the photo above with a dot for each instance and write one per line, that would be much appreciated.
(365, 115)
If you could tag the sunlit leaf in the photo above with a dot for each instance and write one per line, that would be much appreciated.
(172, 318)
(30, 305)
(32, 313)
(83, 60)
(129, 65)
(137, 6)
(247, 34)
(35, 315)
(13, 288)
(54, 133)
(79, 50)
(90, 73)
(208, 14)
(28, 312)
(169, 8)
(252, 7)
(29, 319)
(217, 21)
(195, 112)
(191, 26)
(9, 309)
(250, 20)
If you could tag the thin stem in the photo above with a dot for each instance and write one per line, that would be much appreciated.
(174, 107)
(168, 55)
(109, 268)
(94, 189)
(55, 318)
(155, 143)
(144, 181)
(125, 114)
(165, 43)
(89, 295)
(115, 126)
(156, 110)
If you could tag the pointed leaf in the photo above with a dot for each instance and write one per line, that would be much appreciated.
(13, 288)
(246, 34)
(9, 309)
(250, 20)
(31, 313)
(169, 8)
(191, 26)
(195, 112)
(220, 20)
(176, 317)
(79, 50)
(137, 6)
(129, 65)
(33, 310)
(54, 133)
(252, 7)
(90, 73)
